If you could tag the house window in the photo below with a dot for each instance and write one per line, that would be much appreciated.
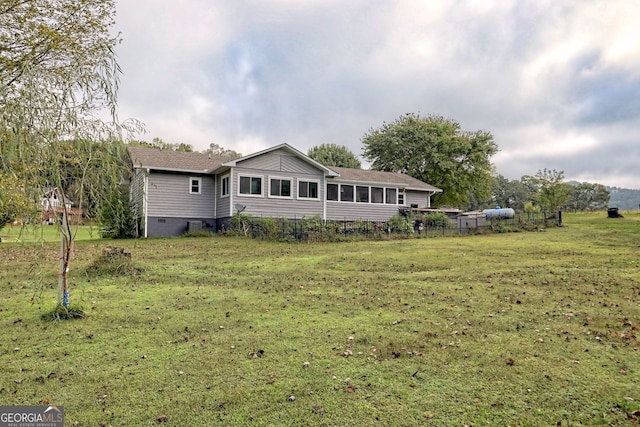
(391, 196)
(362, 194)
(308, 189)
(346, 193)
(332, 192)
(224, 189)
(401, 197)
(250, 185)
(280, 187)
(377, 195)
(195, 185)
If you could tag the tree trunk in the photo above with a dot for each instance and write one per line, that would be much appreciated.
(66, 247)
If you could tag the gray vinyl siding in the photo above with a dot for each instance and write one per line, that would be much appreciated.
(364, 211)
(136, 190)
(279, 161)
(223, 204)
(223, 207)
(275, 206)
(420, 198)
(279, 164)
(168, 196)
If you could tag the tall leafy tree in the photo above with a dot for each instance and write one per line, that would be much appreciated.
(553, 193)
(13, 202)
(334, 155)
(116, 216)
(218, 150)
(58, 77)
(508, 193)
(586, 196)
(437, 151)
(504, 193)
(176, 146)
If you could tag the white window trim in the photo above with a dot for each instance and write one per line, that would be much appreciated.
(340, 184)
(399, 191)
(326, 192)
(281, 178)
(353, 187)
(355, 194)
(371, 187)
(191, 179)
(307, 180)
(222, 178)
(251, 176)
(395, 202)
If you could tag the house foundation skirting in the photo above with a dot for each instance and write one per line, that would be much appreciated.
(168, 226)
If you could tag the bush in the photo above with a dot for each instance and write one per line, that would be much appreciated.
(437, 220)
(240, 224)
(264, 228)
(60, 312)
(314, 223)
(116, 216)
(399, 224)
(529, 207)
(113, 261)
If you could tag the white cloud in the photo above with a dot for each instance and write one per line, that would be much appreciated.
(549, 79)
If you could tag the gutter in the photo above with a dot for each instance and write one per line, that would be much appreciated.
(199, 171)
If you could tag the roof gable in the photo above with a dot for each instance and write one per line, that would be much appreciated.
(289, 149)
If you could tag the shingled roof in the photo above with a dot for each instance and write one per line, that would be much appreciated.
(379, 177)
(179, 161)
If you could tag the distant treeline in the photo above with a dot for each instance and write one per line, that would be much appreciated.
(624, 198)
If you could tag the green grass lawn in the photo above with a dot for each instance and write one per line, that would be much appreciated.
(44, 233)
(525, 329)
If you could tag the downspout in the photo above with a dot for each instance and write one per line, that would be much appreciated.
(215, 198)
(145, 201)
(324, 198)
(230, 192)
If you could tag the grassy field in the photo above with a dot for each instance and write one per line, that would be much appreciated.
(45, 233)
(523, 329)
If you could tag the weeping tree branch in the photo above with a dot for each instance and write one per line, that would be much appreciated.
(58, 76)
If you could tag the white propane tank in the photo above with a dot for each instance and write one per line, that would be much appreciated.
(499, 212)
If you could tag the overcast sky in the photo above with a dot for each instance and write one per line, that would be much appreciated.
(556, 82)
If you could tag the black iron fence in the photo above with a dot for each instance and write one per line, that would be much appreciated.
(315, 229)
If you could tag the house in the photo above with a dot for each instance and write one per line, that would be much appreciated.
(174, 192)
(53, 203)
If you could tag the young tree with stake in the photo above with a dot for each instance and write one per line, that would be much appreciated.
(58, 75)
